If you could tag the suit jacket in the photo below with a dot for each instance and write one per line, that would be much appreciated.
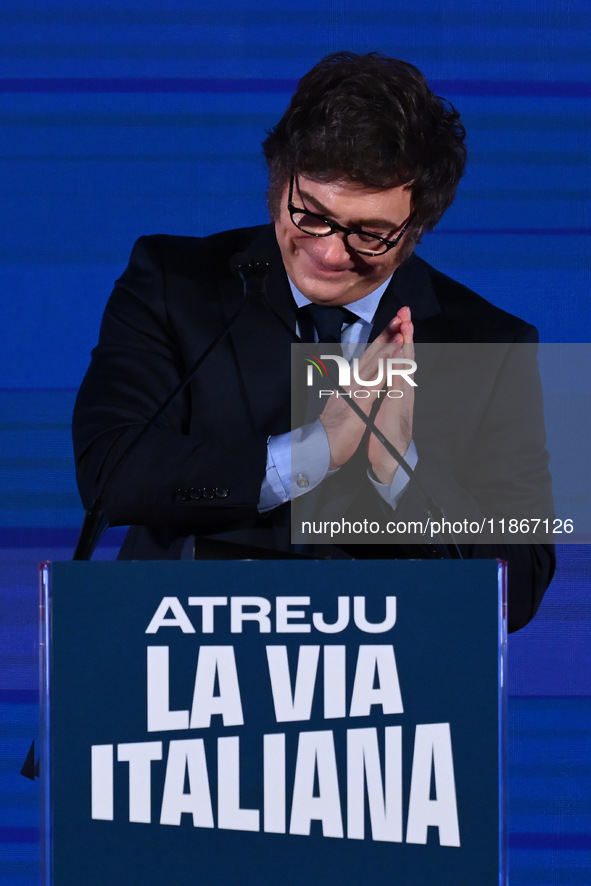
(199, 470)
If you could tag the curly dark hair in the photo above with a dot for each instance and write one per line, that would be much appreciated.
(372, 120)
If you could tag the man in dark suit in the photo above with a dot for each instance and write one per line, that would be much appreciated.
(364, 160)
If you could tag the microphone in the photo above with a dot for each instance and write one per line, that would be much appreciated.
(253, 272)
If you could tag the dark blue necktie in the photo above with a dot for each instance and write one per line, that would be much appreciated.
(328, 321)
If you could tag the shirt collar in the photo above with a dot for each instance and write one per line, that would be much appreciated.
(365, 307)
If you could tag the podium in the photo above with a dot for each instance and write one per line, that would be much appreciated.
(273, 722)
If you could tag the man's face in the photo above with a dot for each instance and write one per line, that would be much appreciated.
(324, 269)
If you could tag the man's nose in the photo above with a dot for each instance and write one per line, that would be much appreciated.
(335, 251)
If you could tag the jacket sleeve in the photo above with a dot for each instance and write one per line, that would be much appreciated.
(176, 473)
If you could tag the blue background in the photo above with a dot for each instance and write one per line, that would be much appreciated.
(147, 117)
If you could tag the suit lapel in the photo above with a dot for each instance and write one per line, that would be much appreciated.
(261, 340)
(410, 285)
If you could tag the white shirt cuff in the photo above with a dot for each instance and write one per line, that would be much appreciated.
(393, 493)
(296, 462)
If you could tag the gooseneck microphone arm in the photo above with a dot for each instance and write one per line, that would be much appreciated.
(253, 272)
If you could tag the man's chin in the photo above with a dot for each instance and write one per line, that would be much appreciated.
(338, 291)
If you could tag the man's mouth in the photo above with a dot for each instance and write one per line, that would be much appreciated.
(327, 270)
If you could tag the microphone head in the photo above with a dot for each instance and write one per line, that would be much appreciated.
(239, 261)
(249, 267)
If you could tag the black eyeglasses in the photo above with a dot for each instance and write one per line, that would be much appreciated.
(359, 241)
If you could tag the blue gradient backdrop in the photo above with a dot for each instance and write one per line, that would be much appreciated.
(119, 119)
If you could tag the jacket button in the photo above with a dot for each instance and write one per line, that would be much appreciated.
(182, 495)
(222, 492)
(194, 494)
(207, 492)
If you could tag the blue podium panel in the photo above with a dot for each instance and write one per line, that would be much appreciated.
(276, 722)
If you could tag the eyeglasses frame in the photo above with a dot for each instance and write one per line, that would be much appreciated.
(341, 229)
